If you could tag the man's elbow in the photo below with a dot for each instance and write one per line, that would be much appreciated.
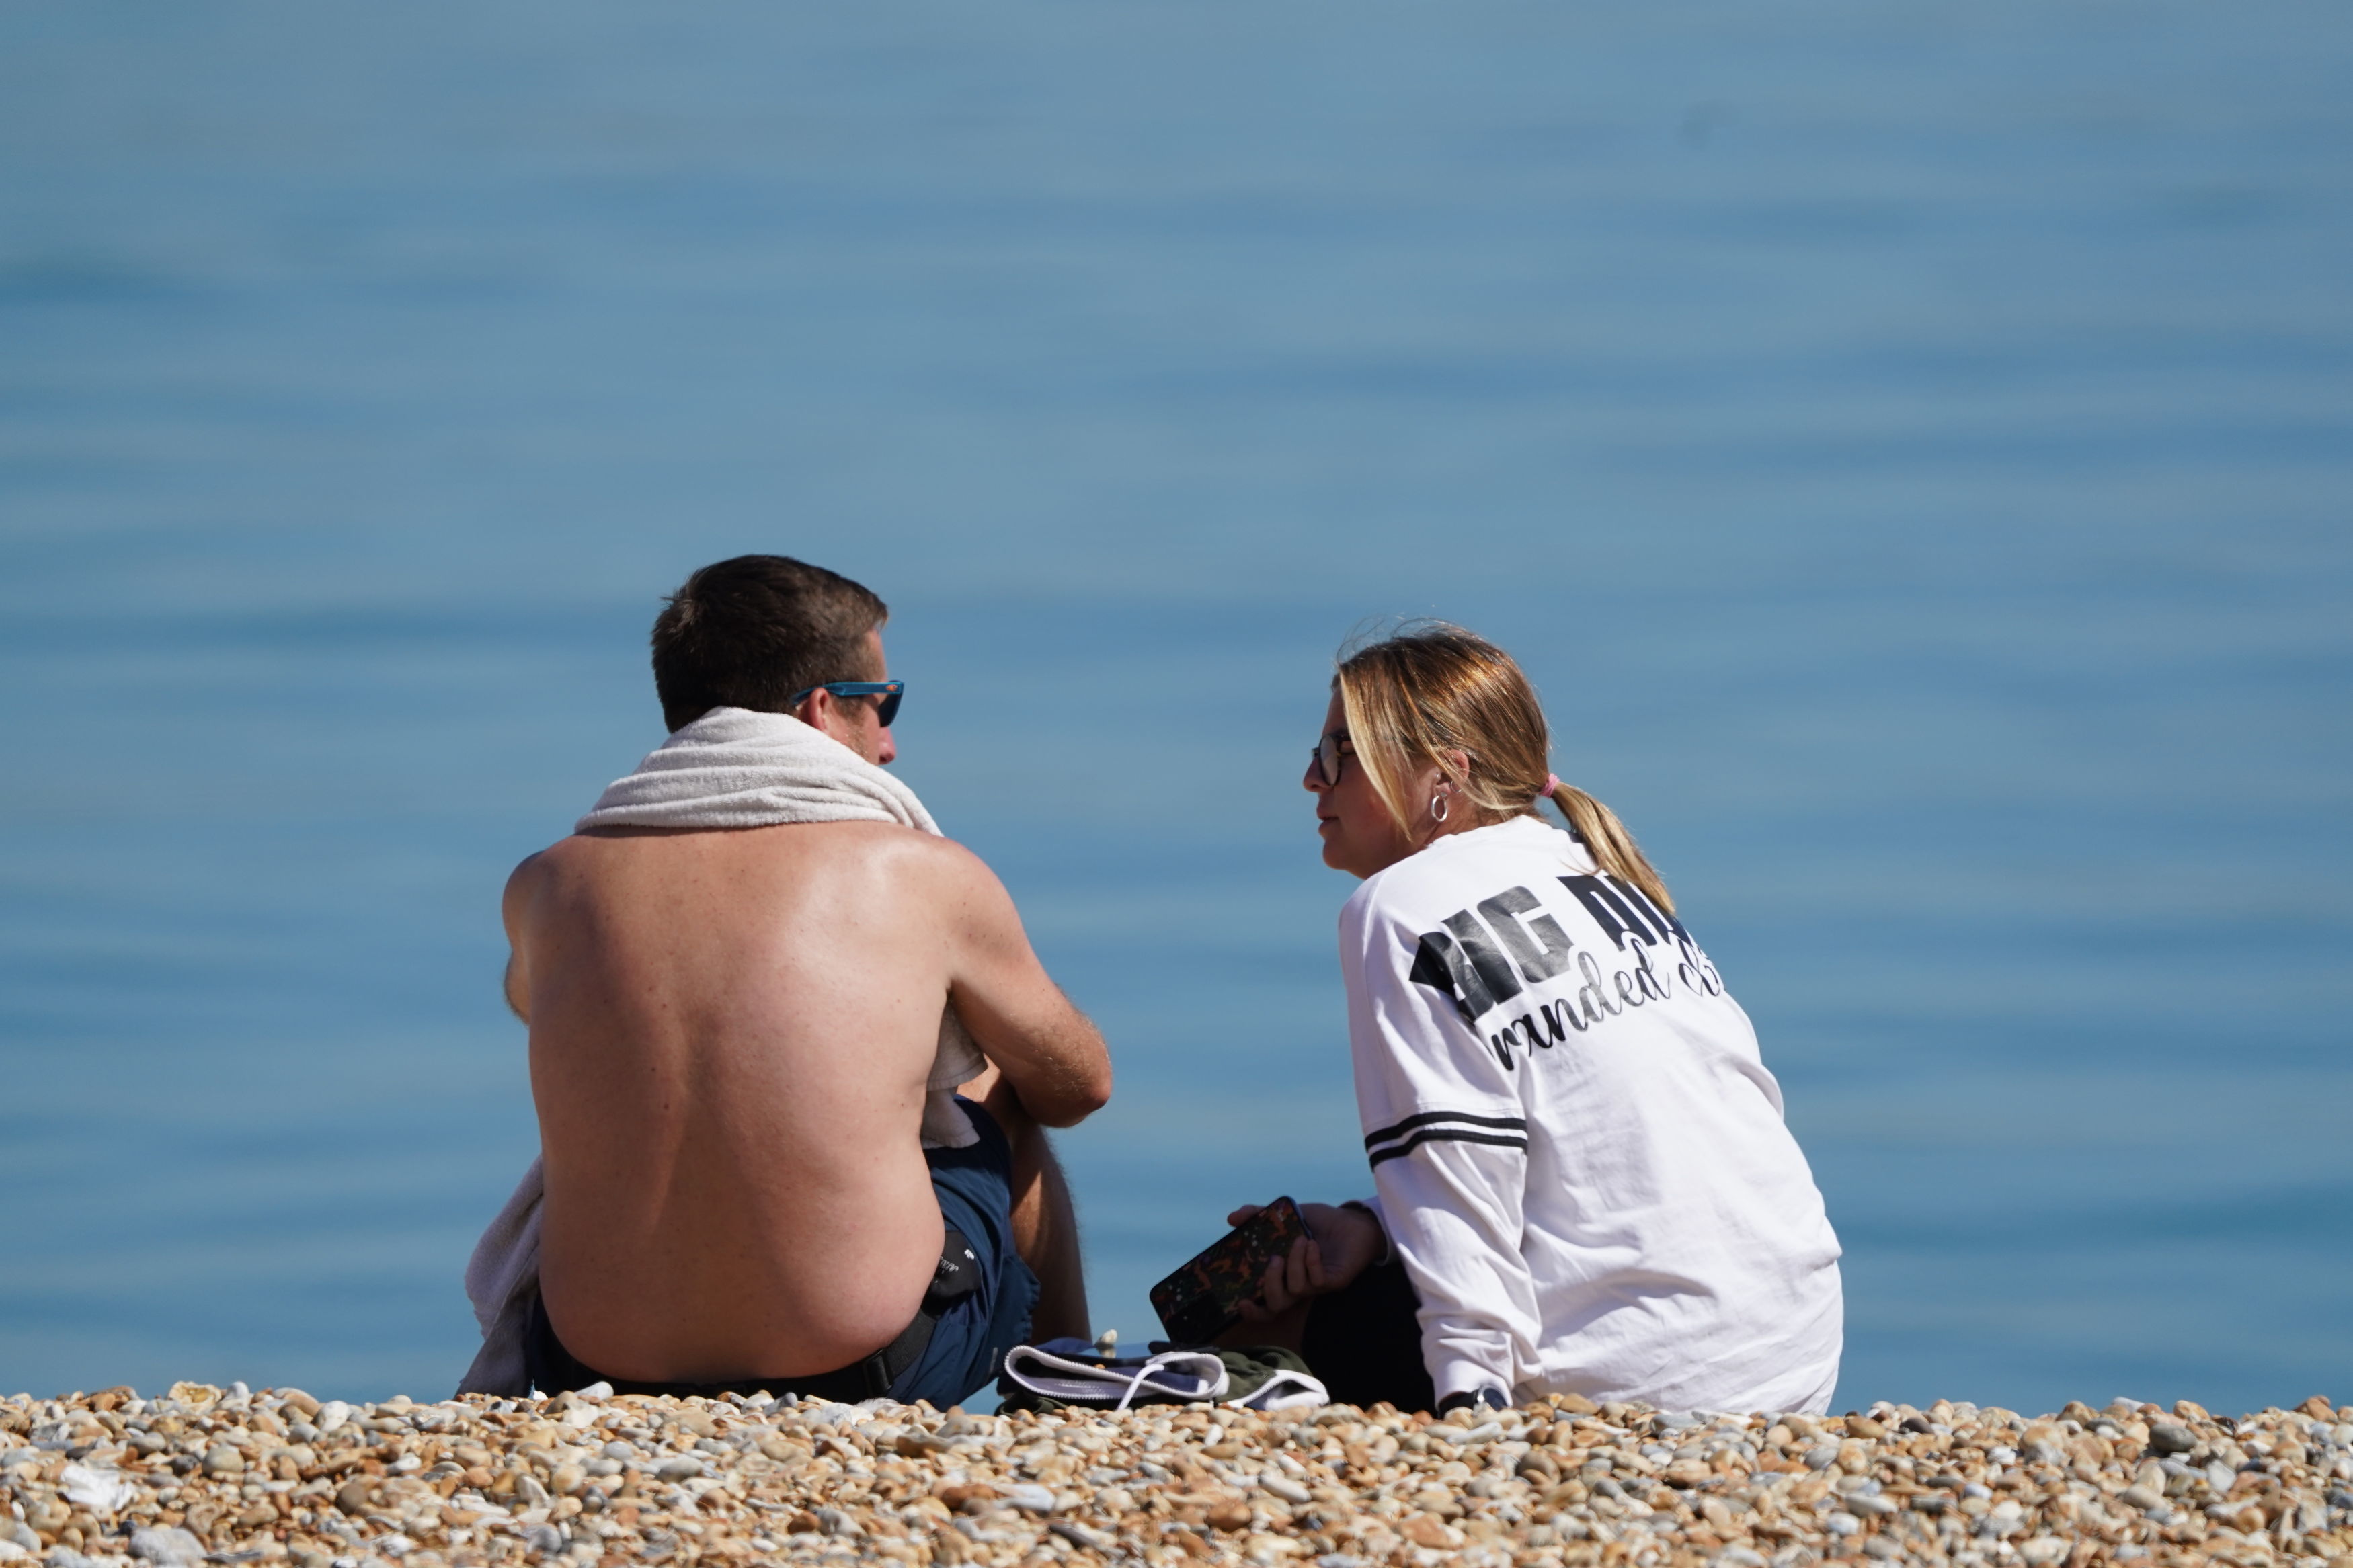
(1079, 1098)
(1098, 1091)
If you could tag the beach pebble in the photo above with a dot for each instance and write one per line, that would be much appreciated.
(166, 1547)
(1427, 1530)
(214, 1475)
(1080, 1535)
(101, 1491)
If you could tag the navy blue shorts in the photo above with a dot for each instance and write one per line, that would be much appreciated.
(969, 1338)
(975, 1186)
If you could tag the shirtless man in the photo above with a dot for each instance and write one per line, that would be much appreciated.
(730, 1032)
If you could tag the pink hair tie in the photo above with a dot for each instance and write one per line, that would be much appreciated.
(1552, 782)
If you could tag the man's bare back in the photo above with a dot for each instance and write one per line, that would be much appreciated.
(731, 1033)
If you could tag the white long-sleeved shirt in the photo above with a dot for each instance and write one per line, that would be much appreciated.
(1578, 1154)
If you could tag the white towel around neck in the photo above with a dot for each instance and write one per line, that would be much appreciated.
(730, 768)
(736, 768)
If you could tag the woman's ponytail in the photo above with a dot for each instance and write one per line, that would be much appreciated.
(1429, 691)
(1614, 849)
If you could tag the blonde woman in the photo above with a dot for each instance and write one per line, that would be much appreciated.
(1582, 1181)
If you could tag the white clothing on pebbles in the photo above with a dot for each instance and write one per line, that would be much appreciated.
(228, 1476)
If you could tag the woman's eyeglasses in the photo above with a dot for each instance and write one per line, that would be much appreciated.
(1328, 756)
(889, 691)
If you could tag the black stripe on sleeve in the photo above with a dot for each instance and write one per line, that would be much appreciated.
(1449, 1135)
(1509, 1123)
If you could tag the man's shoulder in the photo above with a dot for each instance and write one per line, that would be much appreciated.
(886, 846)
(889, 840)
(916, 853)
(896, 853)
(567, 853)
(530, 869)
(925, 876)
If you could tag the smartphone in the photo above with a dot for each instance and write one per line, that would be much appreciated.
(1203, 1298)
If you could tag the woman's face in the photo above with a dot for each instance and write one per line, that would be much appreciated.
(1360, 835)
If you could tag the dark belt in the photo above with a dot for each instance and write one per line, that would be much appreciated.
(554, 1369)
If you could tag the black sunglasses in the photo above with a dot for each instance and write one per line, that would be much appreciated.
(889, 691)
(1327, 756)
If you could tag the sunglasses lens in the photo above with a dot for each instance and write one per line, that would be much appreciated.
(888, 708)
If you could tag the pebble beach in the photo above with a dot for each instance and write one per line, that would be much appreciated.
(202, 1474)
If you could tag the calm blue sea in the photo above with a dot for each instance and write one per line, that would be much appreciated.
(1912, 446)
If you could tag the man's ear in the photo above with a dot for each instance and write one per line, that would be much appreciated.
(822, 712)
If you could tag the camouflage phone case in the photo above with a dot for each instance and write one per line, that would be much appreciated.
(1203, 1298)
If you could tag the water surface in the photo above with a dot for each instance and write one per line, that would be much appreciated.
(1911, 449)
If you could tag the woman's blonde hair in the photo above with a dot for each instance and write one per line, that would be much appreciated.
(1431, 689)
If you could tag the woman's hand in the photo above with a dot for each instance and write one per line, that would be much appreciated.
(1340, 1243)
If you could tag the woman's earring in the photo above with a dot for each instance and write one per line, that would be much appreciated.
(1438, 810)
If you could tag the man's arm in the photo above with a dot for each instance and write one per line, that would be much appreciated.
(1047, 1049)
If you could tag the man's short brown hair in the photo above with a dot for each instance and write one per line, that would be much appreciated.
(753, 631)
